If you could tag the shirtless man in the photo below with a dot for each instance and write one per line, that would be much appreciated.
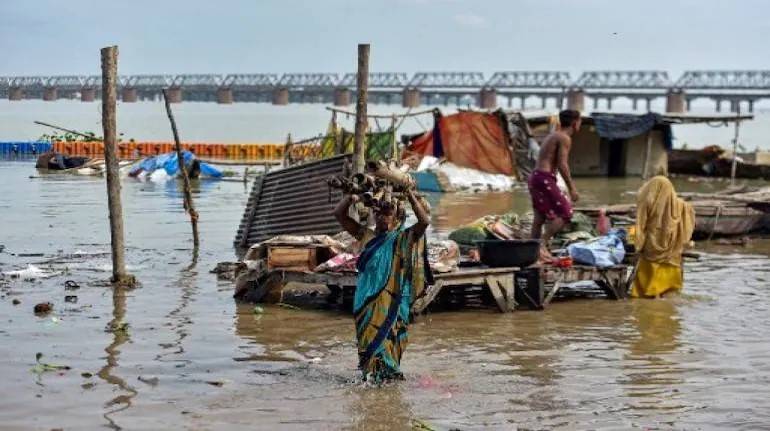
(551, 206)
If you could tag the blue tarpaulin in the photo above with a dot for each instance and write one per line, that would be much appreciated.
(602, 252)
(169, 163)
(626, 126)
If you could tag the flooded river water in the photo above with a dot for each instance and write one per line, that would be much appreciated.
(178, 352)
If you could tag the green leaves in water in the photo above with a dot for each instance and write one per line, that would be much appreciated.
(118, 328)
(420, 425)
(42, 367)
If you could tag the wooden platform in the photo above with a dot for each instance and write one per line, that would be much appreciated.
(507, 291)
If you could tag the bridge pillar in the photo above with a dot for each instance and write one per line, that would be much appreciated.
(751, 105)
(129, 95)
(281, 96)
(718, 103)
(174, 95)
(342, 97)
(609, 103)
(543, 101)
(675, 100)
(687, 104)
(648, 103)
(224, 95)
(15, 93)
(488, 98)
(50, 94)
(522, 102)
(87, 94)
(576, 99)
(634, 103)
(411, 98)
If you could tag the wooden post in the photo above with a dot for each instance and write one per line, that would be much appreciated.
(359, 147)
(647, 155)
(188, 202)
(734, 166)
(109, 123)
(287, 152)
(394, 142)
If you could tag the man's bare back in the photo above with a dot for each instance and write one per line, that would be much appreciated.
(549, 152)
(554, 156)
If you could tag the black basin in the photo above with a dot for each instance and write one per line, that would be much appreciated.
(509, 252)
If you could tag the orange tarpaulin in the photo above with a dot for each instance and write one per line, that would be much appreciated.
(421, 145)
(469, 139)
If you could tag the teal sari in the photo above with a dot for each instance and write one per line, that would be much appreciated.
(392, 274)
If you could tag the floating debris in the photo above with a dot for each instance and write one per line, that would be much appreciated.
(152, 381)
(71, 285)
(32, 272)
(43, 308)
(42, 367)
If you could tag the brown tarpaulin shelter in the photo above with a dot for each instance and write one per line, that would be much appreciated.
(474, 140)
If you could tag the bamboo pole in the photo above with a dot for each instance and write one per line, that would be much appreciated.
(109, 124)
(734, 166)
(188, 201)
(381, 116)
(359, 148)
(74, 132)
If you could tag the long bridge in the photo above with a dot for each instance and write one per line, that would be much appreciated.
(733, 87)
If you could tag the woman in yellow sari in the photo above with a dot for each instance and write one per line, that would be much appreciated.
(664, 225)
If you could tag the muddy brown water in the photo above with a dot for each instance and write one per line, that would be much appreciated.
(179, 353)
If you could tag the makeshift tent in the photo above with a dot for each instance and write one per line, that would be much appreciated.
(476, 140)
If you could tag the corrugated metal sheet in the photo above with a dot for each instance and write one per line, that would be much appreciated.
(292, 201)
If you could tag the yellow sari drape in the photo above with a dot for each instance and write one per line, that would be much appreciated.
(664, 225)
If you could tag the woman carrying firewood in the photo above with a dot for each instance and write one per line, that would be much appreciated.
(392, 274)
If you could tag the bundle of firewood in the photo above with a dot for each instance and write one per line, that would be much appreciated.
(382, 186)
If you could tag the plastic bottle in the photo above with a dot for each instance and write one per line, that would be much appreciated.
(603, 224)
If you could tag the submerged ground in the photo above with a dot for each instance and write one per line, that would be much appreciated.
(179, 353)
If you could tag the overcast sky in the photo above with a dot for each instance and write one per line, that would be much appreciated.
(52, 37)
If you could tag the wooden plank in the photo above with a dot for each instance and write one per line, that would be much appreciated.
(476, 271)
(497, 293)
(430, 294)
(552, 293)
(506, 283)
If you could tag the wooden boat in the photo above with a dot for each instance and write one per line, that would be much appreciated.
(96, 167)
(711, 163)
(714, 217)
(725, 218)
